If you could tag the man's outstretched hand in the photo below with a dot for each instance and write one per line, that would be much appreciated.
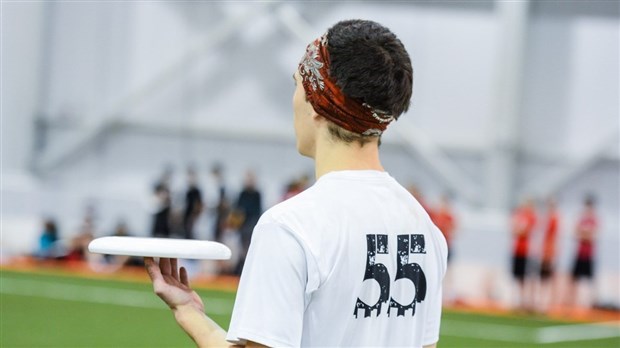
(172, 284)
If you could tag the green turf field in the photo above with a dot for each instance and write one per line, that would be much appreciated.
(43, 310)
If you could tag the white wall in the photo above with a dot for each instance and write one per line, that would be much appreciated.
(22, 27)
(571, 87)
(88, 59)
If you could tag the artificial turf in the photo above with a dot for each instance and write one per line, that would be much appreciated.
(43, 310)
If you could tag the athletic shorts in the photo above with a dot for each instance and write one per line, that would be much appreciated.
(546, 270)
(582, 268)
(519, 266)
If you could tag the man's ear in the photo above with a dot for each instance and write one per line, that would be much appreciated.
(319, 121)
(316, 117)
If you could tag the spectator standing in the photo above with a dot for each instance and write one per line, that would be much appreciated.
(222, 205)
(583, 269)
(163, 206)
(523, 222)
(444, 219)
(419, 196)
(193, 204)
(249, 204)
(548, 287)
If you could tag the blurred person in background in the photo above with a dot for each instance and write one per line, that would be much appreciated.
(419, 196)
(250, 205)
(113, 263)
(304, 182)
(162, 225)
(308, 277)
(222, 205)
(523, 222)
(444, 219)
(78, 245)
(193, 204)
(290, 190)
(295, 187)
(47, 240)
(122, 230)
(583, 268)
(232, 239)
(548, 291)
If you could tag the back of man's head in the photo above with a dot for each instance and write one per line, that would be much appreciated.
(358, 76)
(369, 63)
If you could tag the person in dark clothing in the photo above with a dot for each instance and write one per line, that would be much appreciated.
(250, 205)
(581, 290)
(193, 204)
(222, 209)
(161, 218)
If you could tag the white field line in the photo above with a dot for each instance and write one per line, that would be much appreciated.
(96, 294)
(509, 333)
(578, 332)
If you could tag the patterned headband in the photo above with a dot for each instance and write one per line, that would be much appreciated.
(328, 100)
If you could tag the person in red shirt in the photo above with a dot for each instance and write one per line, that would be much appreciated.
(415, 192)
(586, 231)
(523, 222)
(547, 268)
(444, 219)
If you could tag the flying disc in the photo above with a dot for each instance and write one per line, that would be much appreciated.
(160, 247)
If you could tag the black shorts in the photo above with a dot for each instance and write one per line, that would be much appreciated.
(582, 268)
(546, 270)
(519, 266)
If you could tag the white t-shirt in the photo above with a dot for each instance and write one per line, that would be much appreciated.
(339, 265)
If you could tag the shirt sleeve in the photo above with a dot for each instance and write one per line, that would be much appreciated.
(433, 315)
(270, 303)
(431, 329)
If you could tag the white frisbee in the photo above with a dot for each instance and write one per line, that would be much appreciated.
(160, 247)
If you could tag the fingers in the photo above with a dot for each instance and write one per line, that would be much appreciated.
(164, 265)
(174, 269)
(152, 268)
(184, 278)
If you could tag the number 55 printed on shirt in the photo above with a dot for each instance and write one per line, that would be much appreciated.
(407, 244)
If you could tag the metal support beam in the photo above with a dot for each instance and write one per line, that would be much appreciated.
(501, 161)
(61, 154)
(421, 145)
(220, 131)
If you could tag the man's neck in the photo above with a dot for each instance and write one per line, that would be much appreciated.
(332, 155)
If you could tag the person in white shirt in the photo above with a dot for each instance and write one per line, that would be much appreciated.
(354, 260)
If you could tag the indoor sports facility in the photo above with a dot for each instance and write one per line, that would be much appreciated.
(173, 119)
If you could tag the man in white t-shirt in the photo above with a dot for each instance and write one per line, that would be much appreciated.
(354, 260)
